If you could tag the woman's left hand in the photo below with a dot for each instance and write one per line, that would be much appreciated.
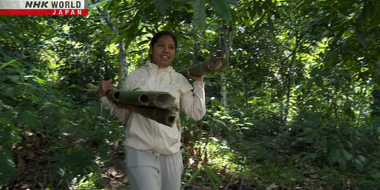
(201, 78)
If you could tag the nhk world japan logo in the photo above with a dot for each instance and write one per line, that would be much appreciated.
(47, 7)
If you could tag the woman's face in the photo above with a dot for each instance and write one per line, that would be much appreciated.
(163, 51)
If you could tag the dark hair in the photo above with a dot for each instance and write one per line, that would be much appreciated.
(158, 35)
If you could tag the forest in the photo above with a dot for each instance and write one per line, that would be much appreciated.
(297, 107)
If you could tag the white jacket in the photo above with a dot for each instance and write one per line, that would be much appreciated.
(146, 134)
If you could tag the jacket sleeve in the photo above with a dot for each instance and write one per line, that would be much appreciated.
(193, 100)
(121, 113)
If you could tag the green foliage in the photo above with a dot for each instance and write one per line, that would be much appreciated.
(222, 8)
(192, 177)
(8, 169)
(199, 15)
(78, 160)
(89, 182)
(98, 4)
(163, 5)
(213, 177)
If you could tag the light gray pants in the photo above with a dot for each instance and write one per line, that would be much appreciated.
(147, 171)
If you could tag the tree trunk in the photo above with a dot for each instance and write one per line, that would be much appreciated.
(376, 103)
(246, 86)
(290, 78)
(225, 42)
(123, 69)
(375, 106)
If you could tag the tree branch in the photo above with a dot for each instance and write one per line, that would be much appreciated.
(122, 57)
(107, 19)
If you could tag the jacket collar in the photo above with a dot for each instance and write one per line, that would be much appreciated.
(154, 67)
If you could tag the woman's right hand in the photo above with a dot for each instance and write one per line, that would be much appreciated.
(104, 87)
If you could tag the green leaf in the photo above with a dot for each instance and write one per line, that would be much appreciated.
(103, 152)
(376, 176)
(362, 158)
(199, 15)
(361, 38)
(359, 165)
(348, 156)
(98, 4)
(186, 1)
(319, 81)
(338, 36)
(258, 23)
(29, 119)
(323, 141)
(211, 174)
(163, 5)
(342, 163)
(308, 157)
(130, 33)
(6, 64)
(196, 173)
(376, 123)
(332, 55)
(316, 117)
(232, 2)
(309, 136)
(334, 155)
(8, 168)
(252, 14)
(222, 8)
(270, 24)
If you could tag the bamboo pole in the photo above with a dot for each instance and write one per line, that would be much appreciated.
(146, 98)
(215, 64)
(91, 93)
(138, 98)
(158, 106)
(163, 116)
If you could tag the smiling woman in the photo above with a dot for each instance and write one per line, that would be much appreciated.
(153, 155)
(163, 48)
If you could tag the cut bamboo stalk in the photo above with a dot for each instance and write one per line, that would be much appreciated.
(158, 106)
(215, 64)
(92, 93)
(163, 116)
(147, 98)
(91, 86)
(138, 98)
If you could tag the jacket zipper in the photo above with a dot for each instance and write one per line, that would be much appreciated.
(156, 125)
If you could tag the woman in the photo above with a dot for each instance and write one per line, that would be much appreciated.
(153, 155)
